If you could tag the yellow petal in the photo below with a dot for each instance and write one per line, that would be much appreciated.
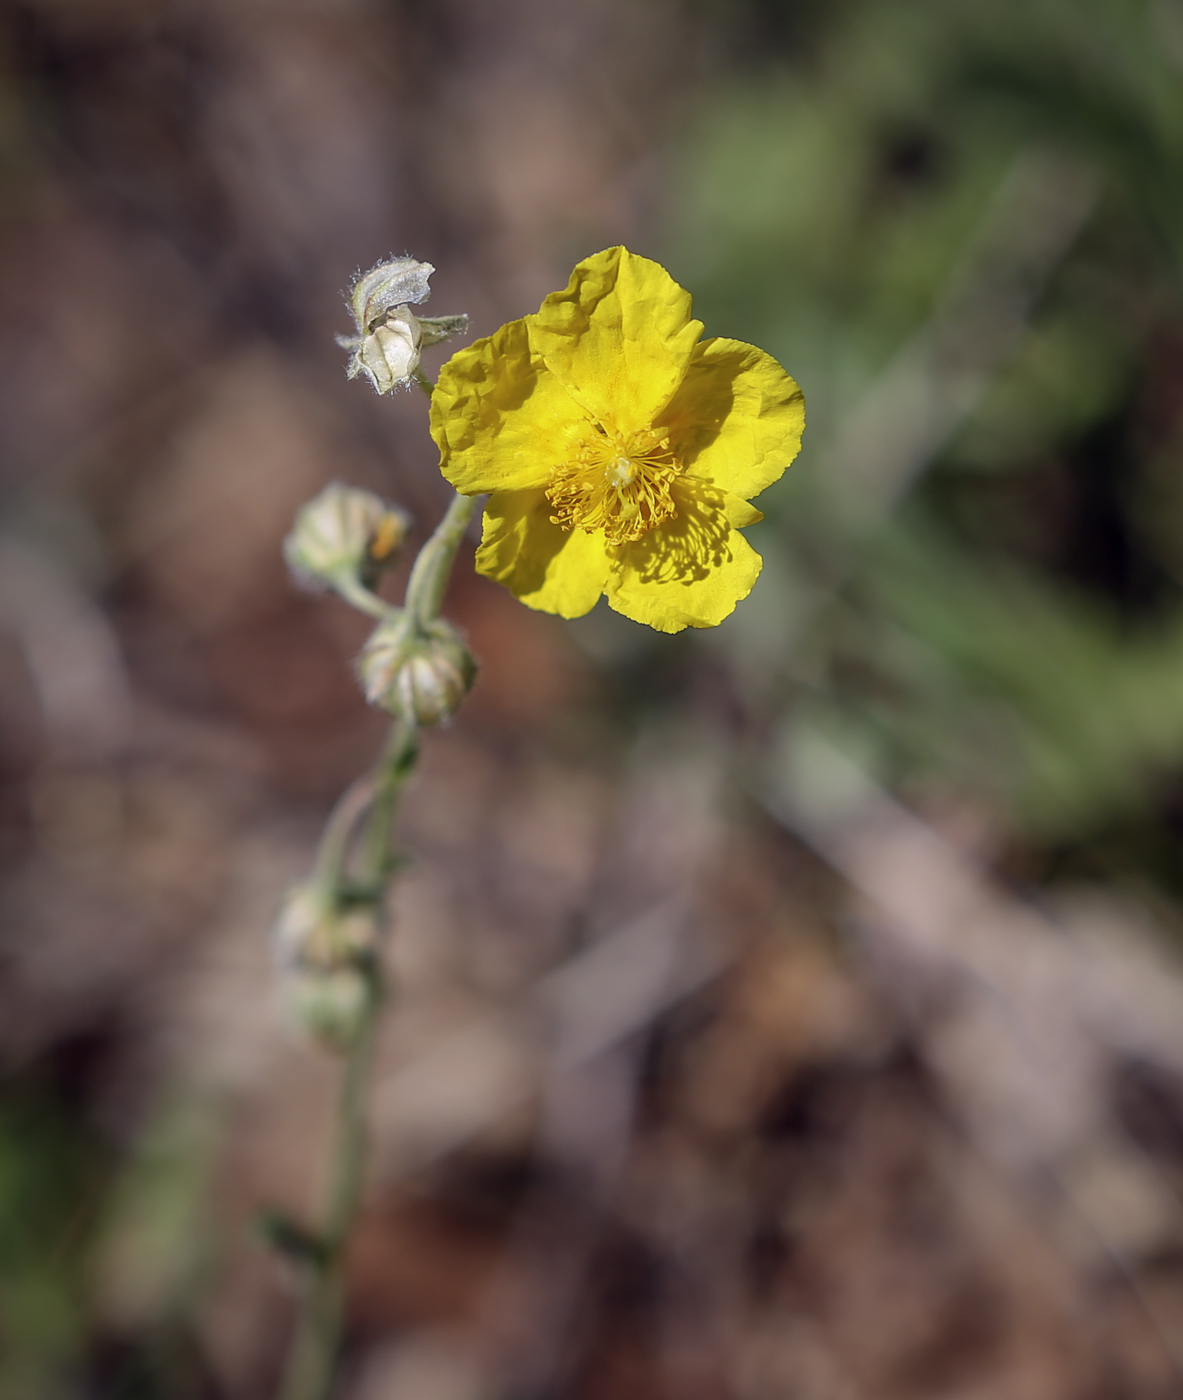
(501, 420)
(619, 337)
(739, 512)
(546, 567)
(737, 418)
(688, 572)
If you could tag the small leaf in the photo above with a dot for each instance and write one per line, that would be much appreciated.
(290, 1238)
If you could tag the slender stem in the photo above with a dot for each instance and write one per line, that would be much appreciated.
(373, 796)
(318, 1334)
(396, 766)
(371, 801)
(313, 1356)
(333, 850)
(433, 567)
(350, 587)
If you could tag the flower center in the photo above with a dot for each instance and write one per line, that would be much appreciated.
(616, 482)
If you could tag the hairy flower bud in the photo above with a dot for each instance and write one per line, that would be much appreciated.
(311, 933)
(421, 677)
(344, 530)
(328, 1005)
(389, 334)
(327, 954)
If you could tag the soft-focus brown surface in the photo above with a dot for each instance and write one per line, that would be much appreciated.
(673, 1103)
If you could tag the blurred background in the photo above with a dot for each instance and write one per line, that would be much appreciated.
(791, 1011)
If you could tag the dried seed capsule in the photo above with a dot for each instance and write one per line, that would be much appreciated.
(389, 334)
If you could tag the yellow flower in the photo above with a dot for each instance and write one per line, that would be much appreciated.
(620, 451)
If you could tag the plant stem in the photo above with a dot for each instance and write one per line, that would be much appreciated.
(394, 771)
(337, 836)
(318, 1334)
(373, 801)
(313, 1356)
(433, 567)
(350, 587)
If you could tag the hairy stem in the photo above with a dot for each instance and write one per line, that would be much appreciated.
(356, 861)
(313, 1356)
(354, 592)
(395, 768)
(433, 567)
(318, 1332)
(337, 837)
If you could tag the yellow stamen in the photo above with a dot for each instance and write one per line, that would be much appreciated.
(617, 482)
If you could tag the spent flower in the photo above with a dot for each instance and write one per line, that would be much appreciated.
(620, 450)
(389, 334)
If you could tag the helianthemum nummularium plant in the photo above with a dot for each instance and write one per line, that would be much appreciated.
(620, 450)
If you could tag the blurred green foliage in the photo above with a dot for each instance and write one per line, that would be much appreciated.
(51, 1179)
(80, 1225)
(1008, 626)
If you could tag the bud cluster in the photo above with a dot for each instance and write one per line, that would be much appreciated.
(327, 954)
(389, 334)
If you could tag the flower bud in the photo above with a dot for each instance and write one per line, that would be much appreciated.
(330, 1006)
(313, 934)
(344, 530)
(420, 677)
(389, 334)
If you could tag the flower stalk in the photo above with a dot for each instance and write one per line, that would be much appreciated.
(433, 567)
(357, 595)
(313, 1356)
(371, 802)
(329, 927)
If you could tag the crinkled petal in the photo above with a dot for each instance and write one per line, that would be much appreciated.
(501, 419)
(546, 567)
(691, 570)
(737, 418)
(620, 337)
